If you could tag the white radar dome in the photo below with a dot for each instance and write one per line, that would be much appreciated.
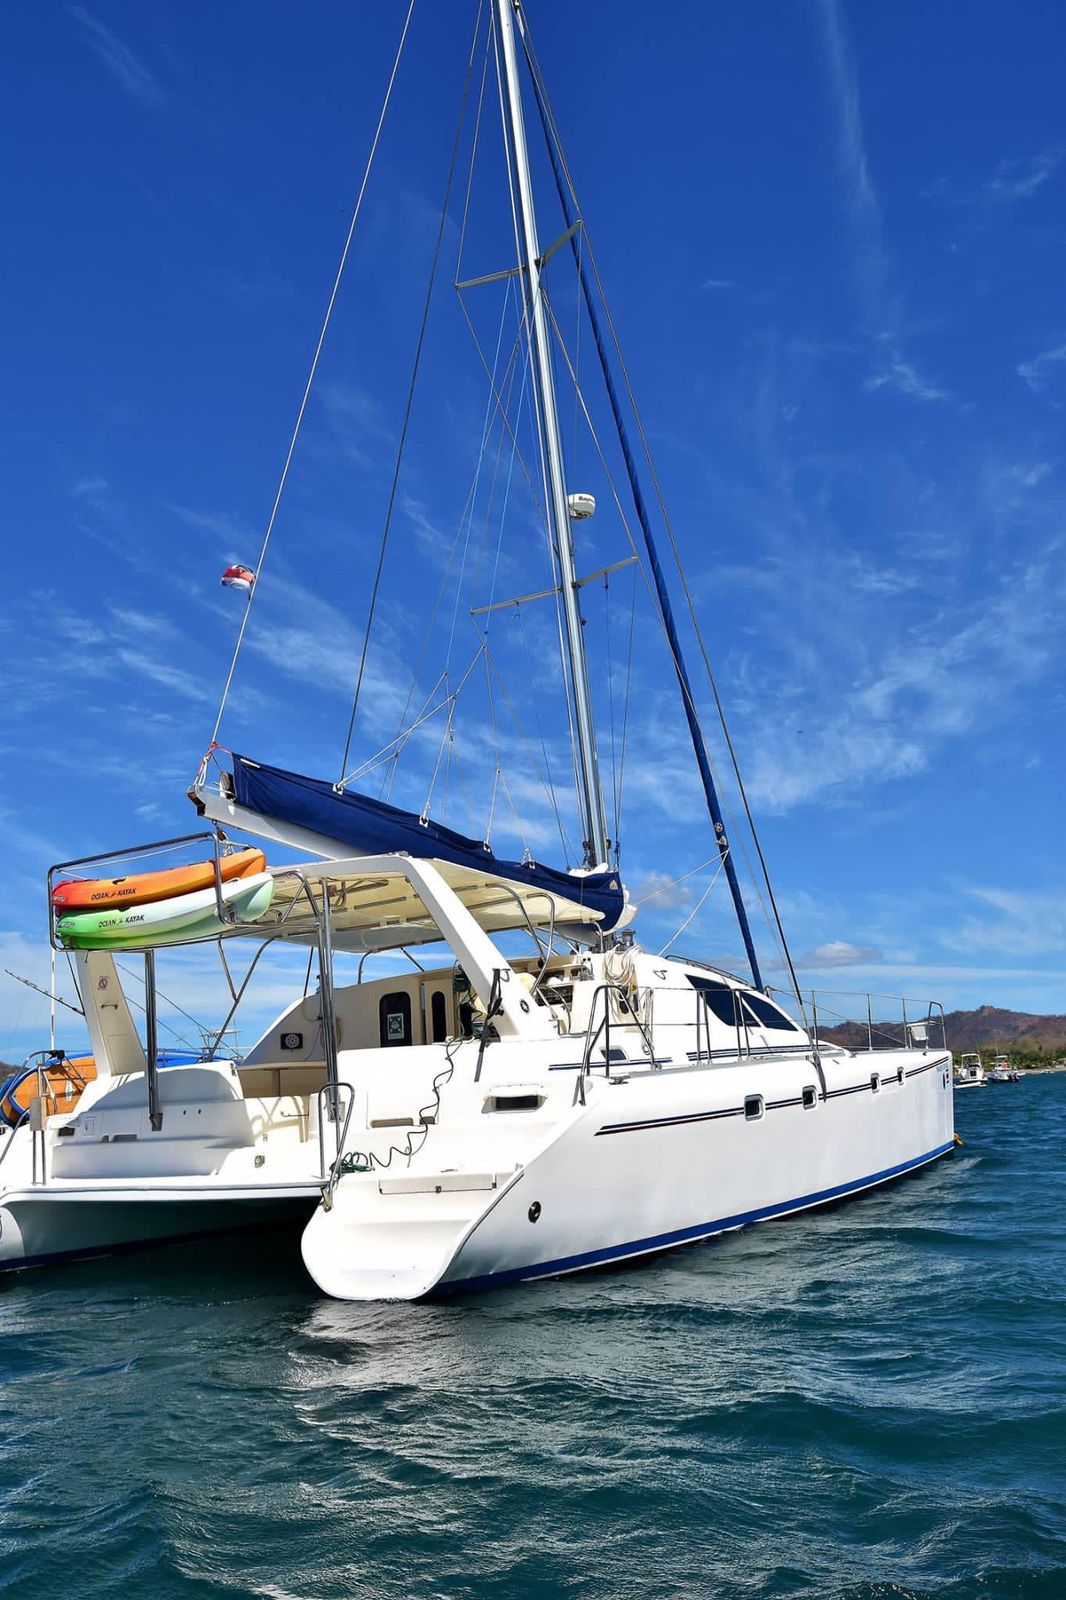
(581, 506)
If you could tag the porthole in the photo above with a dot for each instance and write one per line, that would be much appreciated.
(875, 1082)
(810, 1097)
(753, 1107)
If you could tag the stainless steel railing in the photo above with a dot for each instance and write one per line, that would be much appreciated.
(328, 1101)
(910, 1024)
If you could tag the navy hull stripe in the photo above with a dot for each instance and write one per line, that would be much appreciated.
(702, 1230)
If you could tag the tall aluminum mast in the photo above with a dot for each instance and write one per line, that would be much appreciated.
(593, 817)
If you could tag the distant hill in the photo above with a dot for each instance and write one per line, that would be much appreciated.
(987, 1028)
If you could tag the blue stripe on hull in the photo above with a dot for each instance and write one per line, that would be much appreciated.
(703, 1230)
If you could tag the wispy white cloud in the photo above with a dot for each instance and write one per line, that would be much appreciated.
(143, 622)
(123, 640)
(1020, 178)
(1012, 922)
(936, 681)
(92, 491)
(355, 426)
(27, 840)
(867, 577)
(839, 953)
(904, 377)
(128, 70)
(1011, 180)
(233, 535)
(717, 283)
(69, 625)
(661, 892)
(176, 680)
(895, 371)
(1038, 371)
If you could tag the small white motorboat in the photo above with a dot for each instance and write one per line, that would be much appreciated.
(969, 1072)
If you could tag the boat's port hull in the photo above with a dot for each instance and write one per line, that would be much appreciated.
(36, 1232)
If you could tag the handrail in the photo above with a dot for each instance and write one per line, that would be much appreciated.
(934, 1012)
(336, 1166)
(591, 1039)
(334, 1092)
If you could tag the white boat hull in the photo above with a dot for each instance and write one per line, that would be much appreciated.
(662, 1159)
(104, 1181)
(69, 1228)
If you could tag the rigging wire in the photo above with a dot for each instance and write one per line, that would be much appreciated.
(506, 498)
(483, 543)
(695, 908)
(499, 774)
(409, 404)
(610, 702)
(549, 789)
(530, 679)
(625, 710)
(672, 883)
(401, 737)
(451, 701)
(314, 368)
(524, 464)
(400, 742)
(474, 145)
(555, 147)
(485, 430)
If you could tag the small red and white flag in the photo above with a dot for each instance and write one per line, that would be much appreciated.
(238, 578)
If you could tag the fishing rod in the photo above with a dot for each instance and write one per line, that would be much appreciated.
(49, 994)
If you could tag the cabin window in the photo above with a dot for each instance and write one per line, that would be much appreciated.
(438, 1016)
(718, 997)
(875, 1082)
(753, 1107)
(394, 1019)
(766, 1014)
(810, 1097)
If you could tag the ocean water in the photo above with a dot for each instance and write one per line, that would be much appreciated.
(868, 1402)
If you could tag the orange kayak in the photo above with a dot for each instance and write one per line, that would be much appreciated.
(65, 1080)
(104, 894)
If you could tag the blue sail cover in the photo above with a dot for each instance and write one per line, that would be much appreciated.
(371, 827)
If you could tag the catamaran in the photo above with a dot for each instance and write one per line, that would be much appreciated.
(488, 1115)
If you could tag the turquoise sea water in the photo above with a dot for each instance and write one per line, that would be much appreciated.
(868, 1402)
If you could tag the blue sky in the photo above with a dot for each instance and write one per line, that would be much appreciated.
(832, 237)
